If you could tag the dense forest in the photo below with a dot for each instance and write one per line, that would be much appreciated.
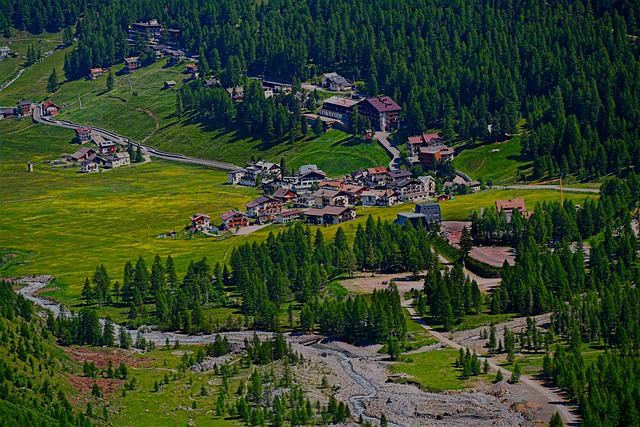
(570, 68)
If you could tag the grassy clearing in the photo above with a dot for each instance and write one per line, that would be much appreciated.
(33, 82)
(433, 370)
(502, 166)
(462, 206)
(483, 319)
(19, 43)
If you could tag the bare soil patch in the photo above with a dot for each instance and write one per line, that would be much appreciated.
(85, 385)
(101, 357)
(366, 283)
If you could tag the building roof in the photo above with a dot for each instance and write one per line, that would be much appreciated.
(373, 193)
(342, 101)
(82, 152)
(197, 216)
(308, 168)
(383, 104)
(290, 213)
(400, 173)
(260, 200)
(191, 66)
(402, 182)
(430, 150)
(325, 192)
(378, 170)
(83, 129)
(511, 204)
(23, 103)
(340, 81)
(131, 59)
(101, 141)
(312, 172)
(411, 215)
(228, 215)
(123, 155)
(327, 210)
(351, 188)
(282, 192)
(331, 75)
(170, 83)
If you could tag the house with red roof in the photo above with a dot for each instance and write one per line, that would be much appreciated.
(378, 176)
(285, 195)
(50, 109)
(200, 221)
(264, 205)
(83, 134)
(234, 219)
(382, 111)
(414, 143)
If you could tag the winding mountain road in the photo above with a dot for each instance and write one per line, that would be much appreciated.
(125, 141)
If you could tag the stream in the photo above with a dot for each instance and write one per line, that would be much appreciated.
(355, 400)
(34, 284)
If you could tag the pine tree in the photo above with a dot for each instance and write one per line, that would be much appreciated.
(52, 84)
(87, 291)
(556, 420)
(111, 81)
(318, 127)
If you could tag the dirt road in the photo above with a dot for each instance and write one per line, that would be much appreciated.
(553, 395)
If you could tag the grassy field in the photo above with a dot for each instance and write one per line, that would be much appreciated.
(433, 370)
(19, 43)
(33, 82)
(501, 166)
(69, 222)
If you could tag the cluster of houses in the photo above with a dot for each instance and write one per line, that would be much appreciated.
(312, 197)
(104, 155)
(382, 111)
(429, 149)
(25, 108)
(152, 31)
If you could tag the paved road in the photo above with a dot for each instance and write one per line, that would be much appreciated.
(124, 141)
(555, 398)
(548, 187)
(382, 139)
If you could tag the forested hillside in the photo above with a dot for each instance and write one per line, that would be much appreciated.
(570, 68)
(32, 383)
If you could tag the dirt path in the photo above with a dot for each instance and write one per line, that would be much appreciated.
(155, 119)
(552, 397)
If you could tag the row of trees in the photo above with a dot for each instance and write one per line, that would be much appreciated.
(562, 222)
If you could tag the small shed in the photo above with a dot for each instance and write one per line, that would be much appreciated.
(169, 83)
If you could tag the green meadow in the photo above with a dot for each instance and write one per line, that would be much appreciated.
(10, 67)
(500, 166)
(68, 223)
(433, 370)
